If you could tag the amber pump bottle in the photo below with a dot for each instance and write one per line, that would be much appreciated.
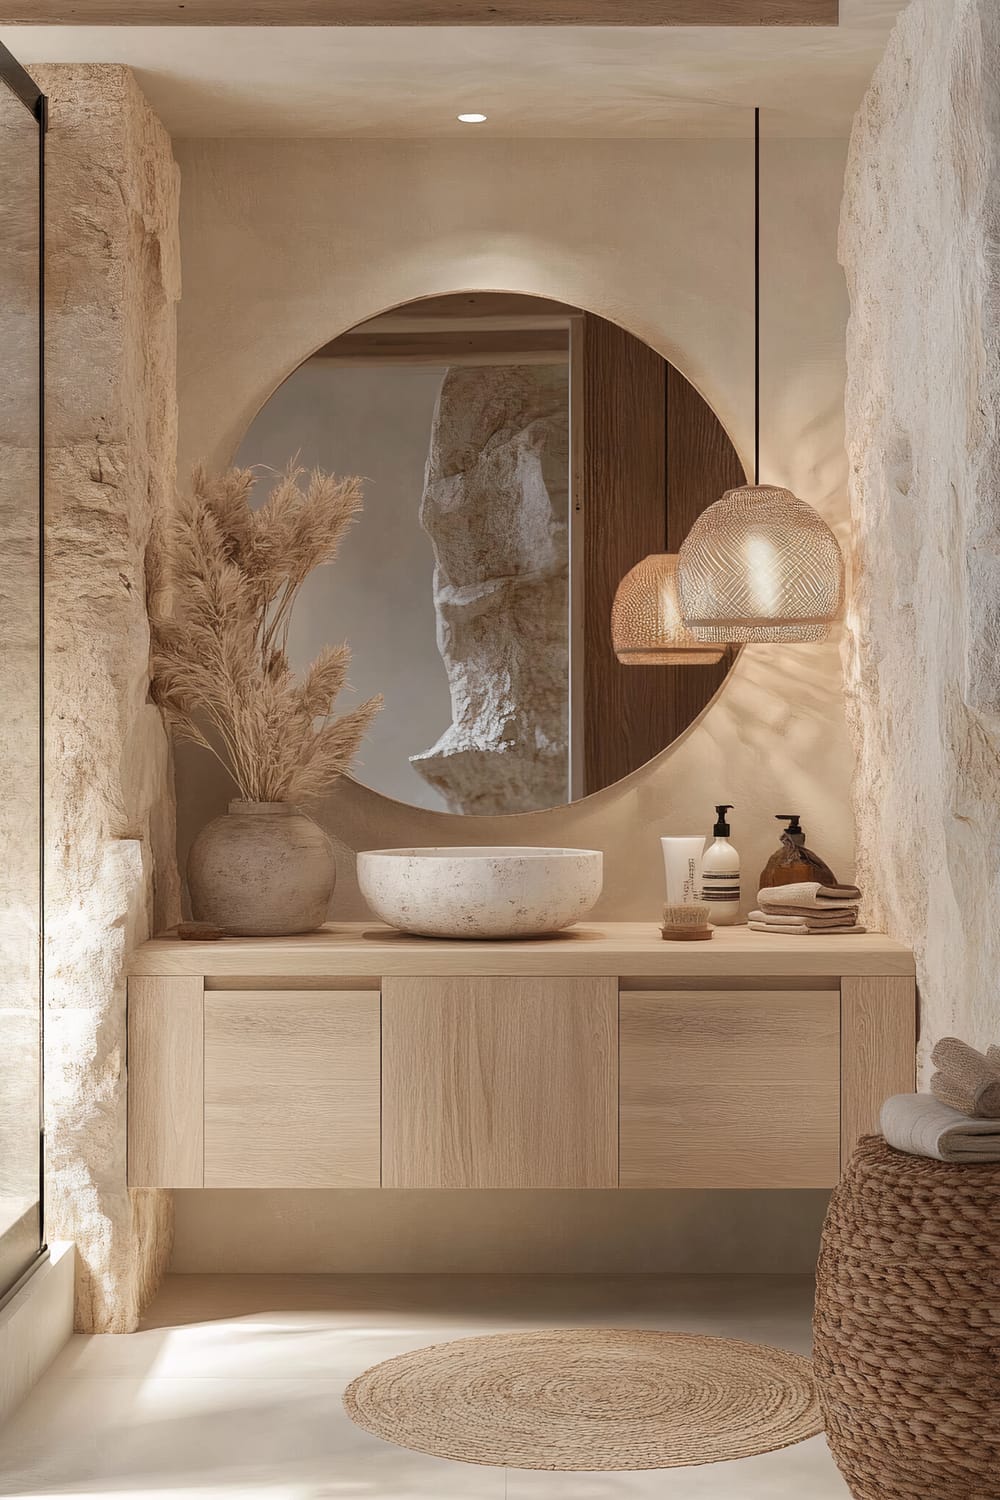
(792, 861)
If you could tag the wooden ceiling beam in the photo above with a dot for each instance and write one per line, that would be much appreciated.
(421, 12)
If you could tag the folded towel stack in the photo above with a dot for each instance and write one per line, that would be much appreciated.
(807, 907)
(931, 1125)
(921, 1125)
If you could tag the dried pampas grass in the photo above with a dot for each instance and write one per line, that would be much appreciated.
(219, 648)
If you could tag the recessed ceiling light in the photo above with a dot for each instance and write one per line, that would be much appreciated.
(473, 119)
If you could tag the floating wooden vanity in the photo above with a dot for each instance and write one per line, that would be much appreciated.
(358, 1057)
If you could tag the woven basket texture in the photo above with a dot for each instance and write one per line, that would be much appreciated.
(907, 1327)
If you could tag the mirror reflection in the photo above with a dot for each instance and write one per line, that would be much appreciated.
(519, 456)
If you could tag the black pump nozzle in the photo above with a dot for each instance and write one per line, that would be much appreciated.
(721, 830)
(794, 829)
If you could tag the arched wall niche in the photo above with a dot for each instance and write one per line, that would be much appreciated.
(634, 236)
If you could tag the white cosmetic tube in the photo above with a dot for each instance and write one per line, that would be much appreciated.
(682, 863)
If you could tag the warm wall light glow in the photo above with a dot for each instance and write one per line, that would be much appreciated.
(646, 625)
(473, 119)
(760, 565)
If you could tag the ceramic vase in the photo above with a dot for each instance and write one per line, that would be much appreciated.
(261, 870)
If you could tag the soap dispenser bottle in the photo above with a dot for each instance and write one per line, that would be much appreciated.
(720, 874)
(793, 862)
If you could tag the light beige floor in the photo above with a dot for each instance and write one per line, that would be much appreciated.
(233, 1389)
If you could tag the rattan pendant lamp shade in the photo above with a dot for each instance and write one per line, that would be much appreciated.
(760, 564)
(647, 629)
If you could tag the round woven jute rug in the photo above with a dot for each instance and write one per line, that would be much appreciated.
(589, 1398)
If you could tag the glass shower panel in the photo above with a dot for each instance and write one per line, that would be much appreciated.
(21, 127)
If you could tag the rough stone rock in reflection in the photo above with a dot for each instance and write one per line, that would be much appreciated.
(495, 506)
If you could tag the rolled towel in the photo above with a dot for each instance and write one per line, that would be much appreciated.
(965, 1080)
(993, 1058)
(921, 1125)
(809, 894)
(802, 929)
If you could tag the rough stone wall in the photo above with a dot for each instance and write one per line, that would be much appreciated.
(920, 242)
(641, 233)
(495, 507)
(113, 282)
(19, 683)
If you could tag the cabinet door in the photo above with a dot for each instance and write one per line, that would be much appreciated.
(730, 1090)
(166, 1026)
(879, 1040)
(291, 1088)
(499, 1083)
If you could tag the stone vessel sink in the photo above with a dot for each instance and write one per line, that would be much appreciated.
(485, 892)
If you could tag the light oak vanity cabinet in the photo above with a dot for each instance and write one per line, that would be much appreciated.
(730, 1088)
(357, 1057)
(499, 1082)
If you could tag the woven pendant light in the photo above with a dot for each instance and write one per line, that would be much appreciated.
(647, 629)
(760, 564)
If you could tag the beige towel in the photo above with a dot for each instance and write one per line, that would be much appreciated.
(821, 920)
(810, 895)
(965, 1080)
(920, 1125)
(802, 930)
(840, 914)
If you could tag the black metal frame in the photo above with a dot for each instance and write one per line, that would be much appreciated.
(23, 87)
(756, 295)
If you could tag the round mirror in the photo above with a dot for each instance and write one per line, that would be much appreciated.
(519, 457)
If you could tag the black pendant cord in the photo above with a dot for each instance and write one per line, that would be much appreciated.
(756, 296)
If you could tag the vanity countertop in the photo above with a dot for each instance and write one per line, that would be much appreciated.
(617, 949)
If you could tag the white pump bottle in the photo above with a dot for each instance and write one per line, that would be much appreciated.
(720, 874)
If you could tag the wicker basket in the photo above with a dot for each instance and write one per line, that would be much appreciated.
(907, 1327)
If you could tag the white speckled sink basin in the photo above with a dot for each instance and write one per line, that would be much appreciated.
(488, 892)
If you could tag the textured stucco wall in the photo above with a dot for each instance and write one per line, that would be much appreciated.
(920, 242)
(288, 243)
(113, 283)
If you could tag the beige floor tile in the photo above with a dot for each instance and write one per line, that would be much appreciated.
(233, 1389)
(263, 1439)
(803, 1472)
(250, 1327)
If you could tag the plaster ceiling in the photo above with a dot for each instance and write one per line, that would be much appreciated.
(532, 82)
